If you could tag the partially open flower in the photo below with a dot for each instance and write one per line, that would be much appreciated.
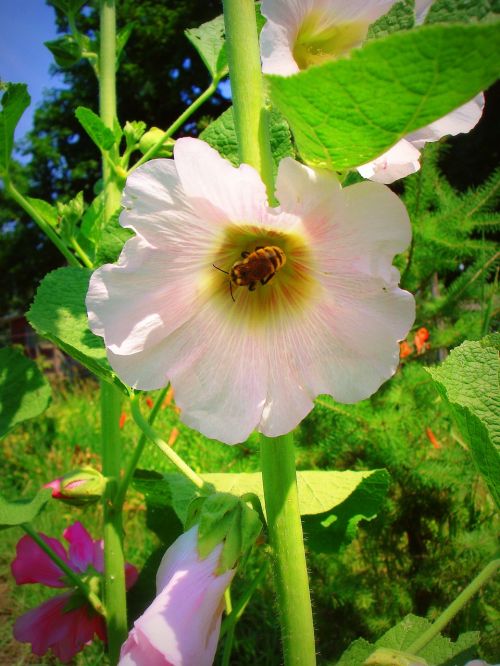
(302, 33)
(317, 310)
(79, 487)
(181, 627)
(67, 622)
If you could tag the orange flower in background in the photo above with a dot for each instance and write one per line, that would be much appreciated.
(420, 340)
(432, 439)
(149, 402)
(123, 418)
(404, 349)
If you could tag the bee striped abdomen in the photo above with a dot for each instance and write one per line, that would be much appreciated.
(257, 266)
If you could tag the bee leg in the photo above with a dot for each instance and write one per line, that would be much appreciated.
(251, 286)
(245, 254)
(266, 279)
(231, 290)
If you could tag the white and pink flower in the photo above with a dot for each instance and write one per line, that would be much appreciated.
(299, 34)
(65, 623)
(181, 627)
(328, 322)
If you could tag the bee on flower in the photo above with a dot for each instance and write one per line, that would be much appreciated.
(166, 313)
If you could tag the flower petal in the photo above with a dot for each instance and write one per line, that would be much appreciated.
(459, 121)
(81, 546)
(399, 161)
(182, 624)
(216, 189)
(49, 626)
(33, 565)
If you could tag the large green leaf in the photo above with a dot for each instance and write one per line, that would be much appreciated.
(221, 135)
(208, 40)
(58, 313)
(23, 510)
(24, 391)
(346, 113)
(392, 648)
(468, 381)
(332, 503)
(15, 101)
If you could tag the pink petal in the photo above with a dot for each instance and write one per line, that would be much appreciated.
(131, 575)
(32, 565)
(81, 546)
(217, 190)
(399, 161)
(459, 121)
(49, 627)
(182, 624)
(421, 10)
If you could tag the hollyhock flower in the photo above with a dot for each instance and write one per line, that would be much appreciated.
(257, 362)
(420, 339)
(404, 349)
(302, 33)
(65, 623)
(166, 312)
(181, 627)
(80, 486)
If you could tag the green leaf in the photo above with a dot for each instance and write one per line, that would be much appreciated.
(401, 16)
(66, 50)
(58, 313)
(322, 495)
(24, 391)
(221, 135)
(463, 11)
(15, 101)
(45, 210)
(392, 648)
(70, 215)
(93, 219)
(469, 384)
(133, 131)
(208, 40)
(23, 510)
(102, 136)
(111, 241)
(122, 37)
(346, 113)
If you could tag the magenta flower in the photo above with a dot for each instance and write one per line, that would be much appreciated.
(65, 623)
(181, 627)
(324, 317)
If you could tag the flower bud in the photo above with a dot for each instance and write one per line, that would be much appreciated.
(151, 138)
(80, 486)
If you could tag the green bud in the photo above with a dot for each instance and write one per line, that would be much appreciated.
(79, 487)
(387, 657)
(151, 138)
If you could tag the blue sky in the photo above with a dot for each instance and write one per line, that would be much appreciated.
(24, 26)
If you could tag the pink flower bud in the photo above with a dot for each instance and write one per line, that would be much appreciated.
(80, 486)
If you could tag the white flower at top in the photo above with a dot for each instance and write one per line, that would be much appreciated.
(328, 320)
(301, 33)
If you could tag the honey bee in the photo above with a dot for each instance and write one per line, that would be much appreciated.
(261, 265)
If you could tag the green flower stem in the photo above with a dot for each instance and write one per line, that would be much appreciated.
(153, 436)
(464, 597)
(228, 643)
(114, 561)
(129, 472)
(70, 574)
(81, 253)
(14, 193)
(238, 609)
(287, 541)
(250, 114)
(177, 124)
(277, 455)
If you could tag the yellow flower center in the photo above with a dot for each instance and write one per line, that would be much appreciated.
(317, 42)
(289, 281)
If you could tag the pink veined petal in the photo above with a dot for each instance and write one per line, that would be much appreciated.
(276, 50)
(131, 575)
(183, 622)
(301, 190)
(81, 546)
(98, 555)
(219, 374)
(421, 10)
(49, 627)
(216, 189)
(32, 565)
(399, 161)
